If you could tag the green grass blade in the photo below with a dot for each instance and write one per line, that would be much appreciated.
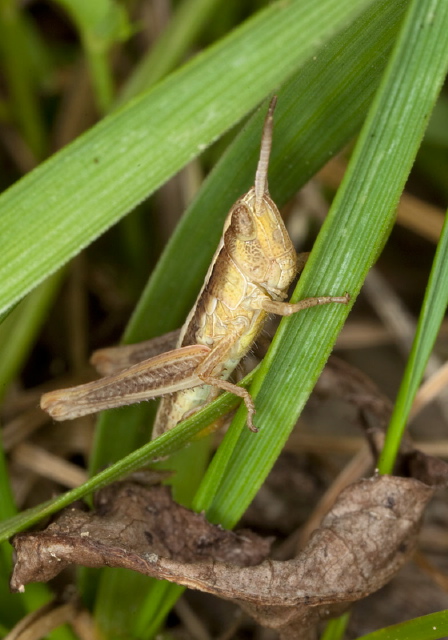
(152, 615)
(430, 627)
(351, 238)
(433, 310)
(57, 209)
(335, 628)
(114, 588)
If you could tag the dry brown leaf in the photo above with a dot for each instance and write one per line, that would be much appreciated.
(362, 542)
(131, 525)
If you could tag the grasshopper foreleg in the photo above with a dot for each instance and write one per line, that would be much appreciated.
(288, 308)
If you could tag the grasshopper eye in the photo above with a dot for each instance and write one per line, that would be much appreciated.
(242, 223)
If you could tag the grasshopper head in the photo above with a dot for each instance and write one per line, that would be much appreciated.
(258, 243)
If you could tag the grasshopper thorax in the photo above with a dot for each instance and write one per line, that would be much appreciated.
(257, 242)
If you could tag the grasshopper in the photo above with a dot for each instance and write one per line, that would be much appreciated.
(249, 276)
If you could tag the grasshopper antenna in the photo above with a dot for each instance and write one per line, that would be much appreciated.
(261, 175)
